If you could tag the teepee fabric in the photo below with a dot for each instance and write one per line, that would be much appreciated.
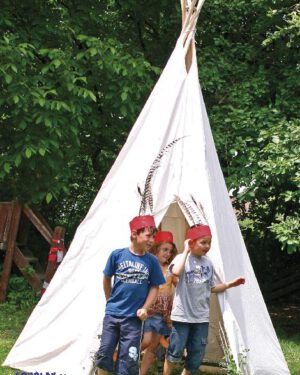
(62, 333)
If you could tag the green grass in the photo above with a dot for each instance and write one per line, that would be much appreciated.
(285, 319)
(291, 348)
(12, 321)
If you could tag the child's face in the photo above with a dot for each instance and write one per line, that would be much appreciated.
(200, 246)
(164, 252)
(144, 240)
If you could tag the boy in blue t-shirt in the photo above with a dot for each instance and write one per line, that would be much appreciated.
(137, 276)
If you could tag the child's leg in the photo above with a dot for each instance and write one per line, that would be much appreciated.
(185, 372)
(196, 344)
(147, 338)
(129, 346)
(109, 341)
(149, 355)
(101, 372)
(178, 341)
(168, 366)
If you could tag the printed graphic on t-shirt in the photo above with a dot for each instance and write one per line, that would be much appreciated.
(131, 272)
(199, 275)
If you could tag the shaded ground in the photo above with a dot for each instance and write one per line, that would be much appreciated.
(286, 315)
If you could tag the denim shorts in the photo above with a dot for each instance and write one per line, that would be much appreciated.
(193, 338)
(157, 325)
(125, 332)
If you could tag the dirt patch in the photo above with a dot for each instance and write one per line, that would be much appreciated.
(286, 315)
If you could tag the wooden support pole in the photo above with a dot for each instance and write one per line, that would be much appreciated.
(24, 267)
(190, 13)
(183, 10)
(57, 244)
(40, 223)
(11, 245)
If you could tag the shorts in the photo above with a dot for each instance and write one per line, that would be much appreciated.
(193, 337)
(127, 333)
(157, 325)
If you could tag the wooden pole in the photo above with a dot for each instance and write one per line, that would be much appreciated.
(52, 266)
(190, 13)
(183, 11)
(24, 267)
(11, 245)
(40, 223)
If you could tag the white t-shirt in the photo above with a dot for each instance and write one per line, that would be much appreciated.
(191, 300)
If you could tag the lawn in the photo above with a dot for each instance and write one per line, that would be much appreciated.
(286, 319)
(12, 321)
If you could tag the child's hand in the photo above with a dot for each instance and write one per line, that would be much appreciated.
(142, 314)
(237, 282)
(187, 246)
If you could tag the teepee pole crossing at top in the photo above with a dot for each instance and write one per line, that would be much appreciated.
(190, 13)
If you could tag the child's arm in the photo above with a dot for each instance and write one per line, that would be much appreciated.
(107, 286)
(142, 313)
(174, 280)
(178, 268)
(222, 287)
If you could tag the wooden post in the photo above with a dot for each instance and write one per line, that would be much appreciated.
(10, 249)
(40, 223)
(57, 244)
(23, 266)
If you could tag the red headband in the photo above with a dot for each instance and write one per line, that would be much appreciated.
(163, 237)
(140, 222)
(198, 232)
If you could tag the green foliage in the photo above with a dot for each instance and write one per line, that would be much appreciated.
(290, 32)
(250, 88)
(29, 270)
(65, 94)
(20, 294)
(72, 86)
(286, 230)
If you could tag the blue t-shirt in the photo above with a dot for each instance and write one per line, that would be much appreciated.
(133, 277)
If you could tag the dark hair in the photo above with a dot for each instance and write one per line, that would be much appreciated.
(155, 249)
(142, 230)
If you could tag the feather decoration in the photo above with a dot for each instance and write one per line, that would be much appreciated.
(201, 209)
(185, 209)
(147, 198)
(139, 191)
(194, 213)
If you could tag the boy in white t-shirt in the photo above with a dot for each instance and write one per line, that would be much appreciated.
(190, 313)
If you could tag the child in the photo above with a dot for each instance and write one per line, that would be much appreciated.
(158, 322)
(190, 312)
(137, 276)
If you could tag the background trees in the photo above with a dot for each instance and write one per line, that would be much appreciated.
(75, 75)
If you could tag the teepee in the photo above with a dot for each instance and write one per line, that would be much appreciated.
(62, 333)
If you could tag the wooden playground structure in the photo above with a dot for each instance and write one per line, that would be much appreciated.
(15, 222)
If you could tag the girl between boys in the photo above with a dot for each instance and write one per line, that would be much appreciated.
(158, 323)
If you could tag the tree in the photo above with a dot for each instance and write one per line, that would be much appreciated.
(64, 95)
(75, 76)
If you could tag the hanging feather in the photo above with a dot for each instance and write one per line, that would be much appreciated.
(194, 213)
(147, 198)
(139, 191)
(185, 209)
(201, 209)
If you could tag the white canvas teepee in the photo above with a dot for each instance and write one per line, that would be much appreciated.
(62, 332)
